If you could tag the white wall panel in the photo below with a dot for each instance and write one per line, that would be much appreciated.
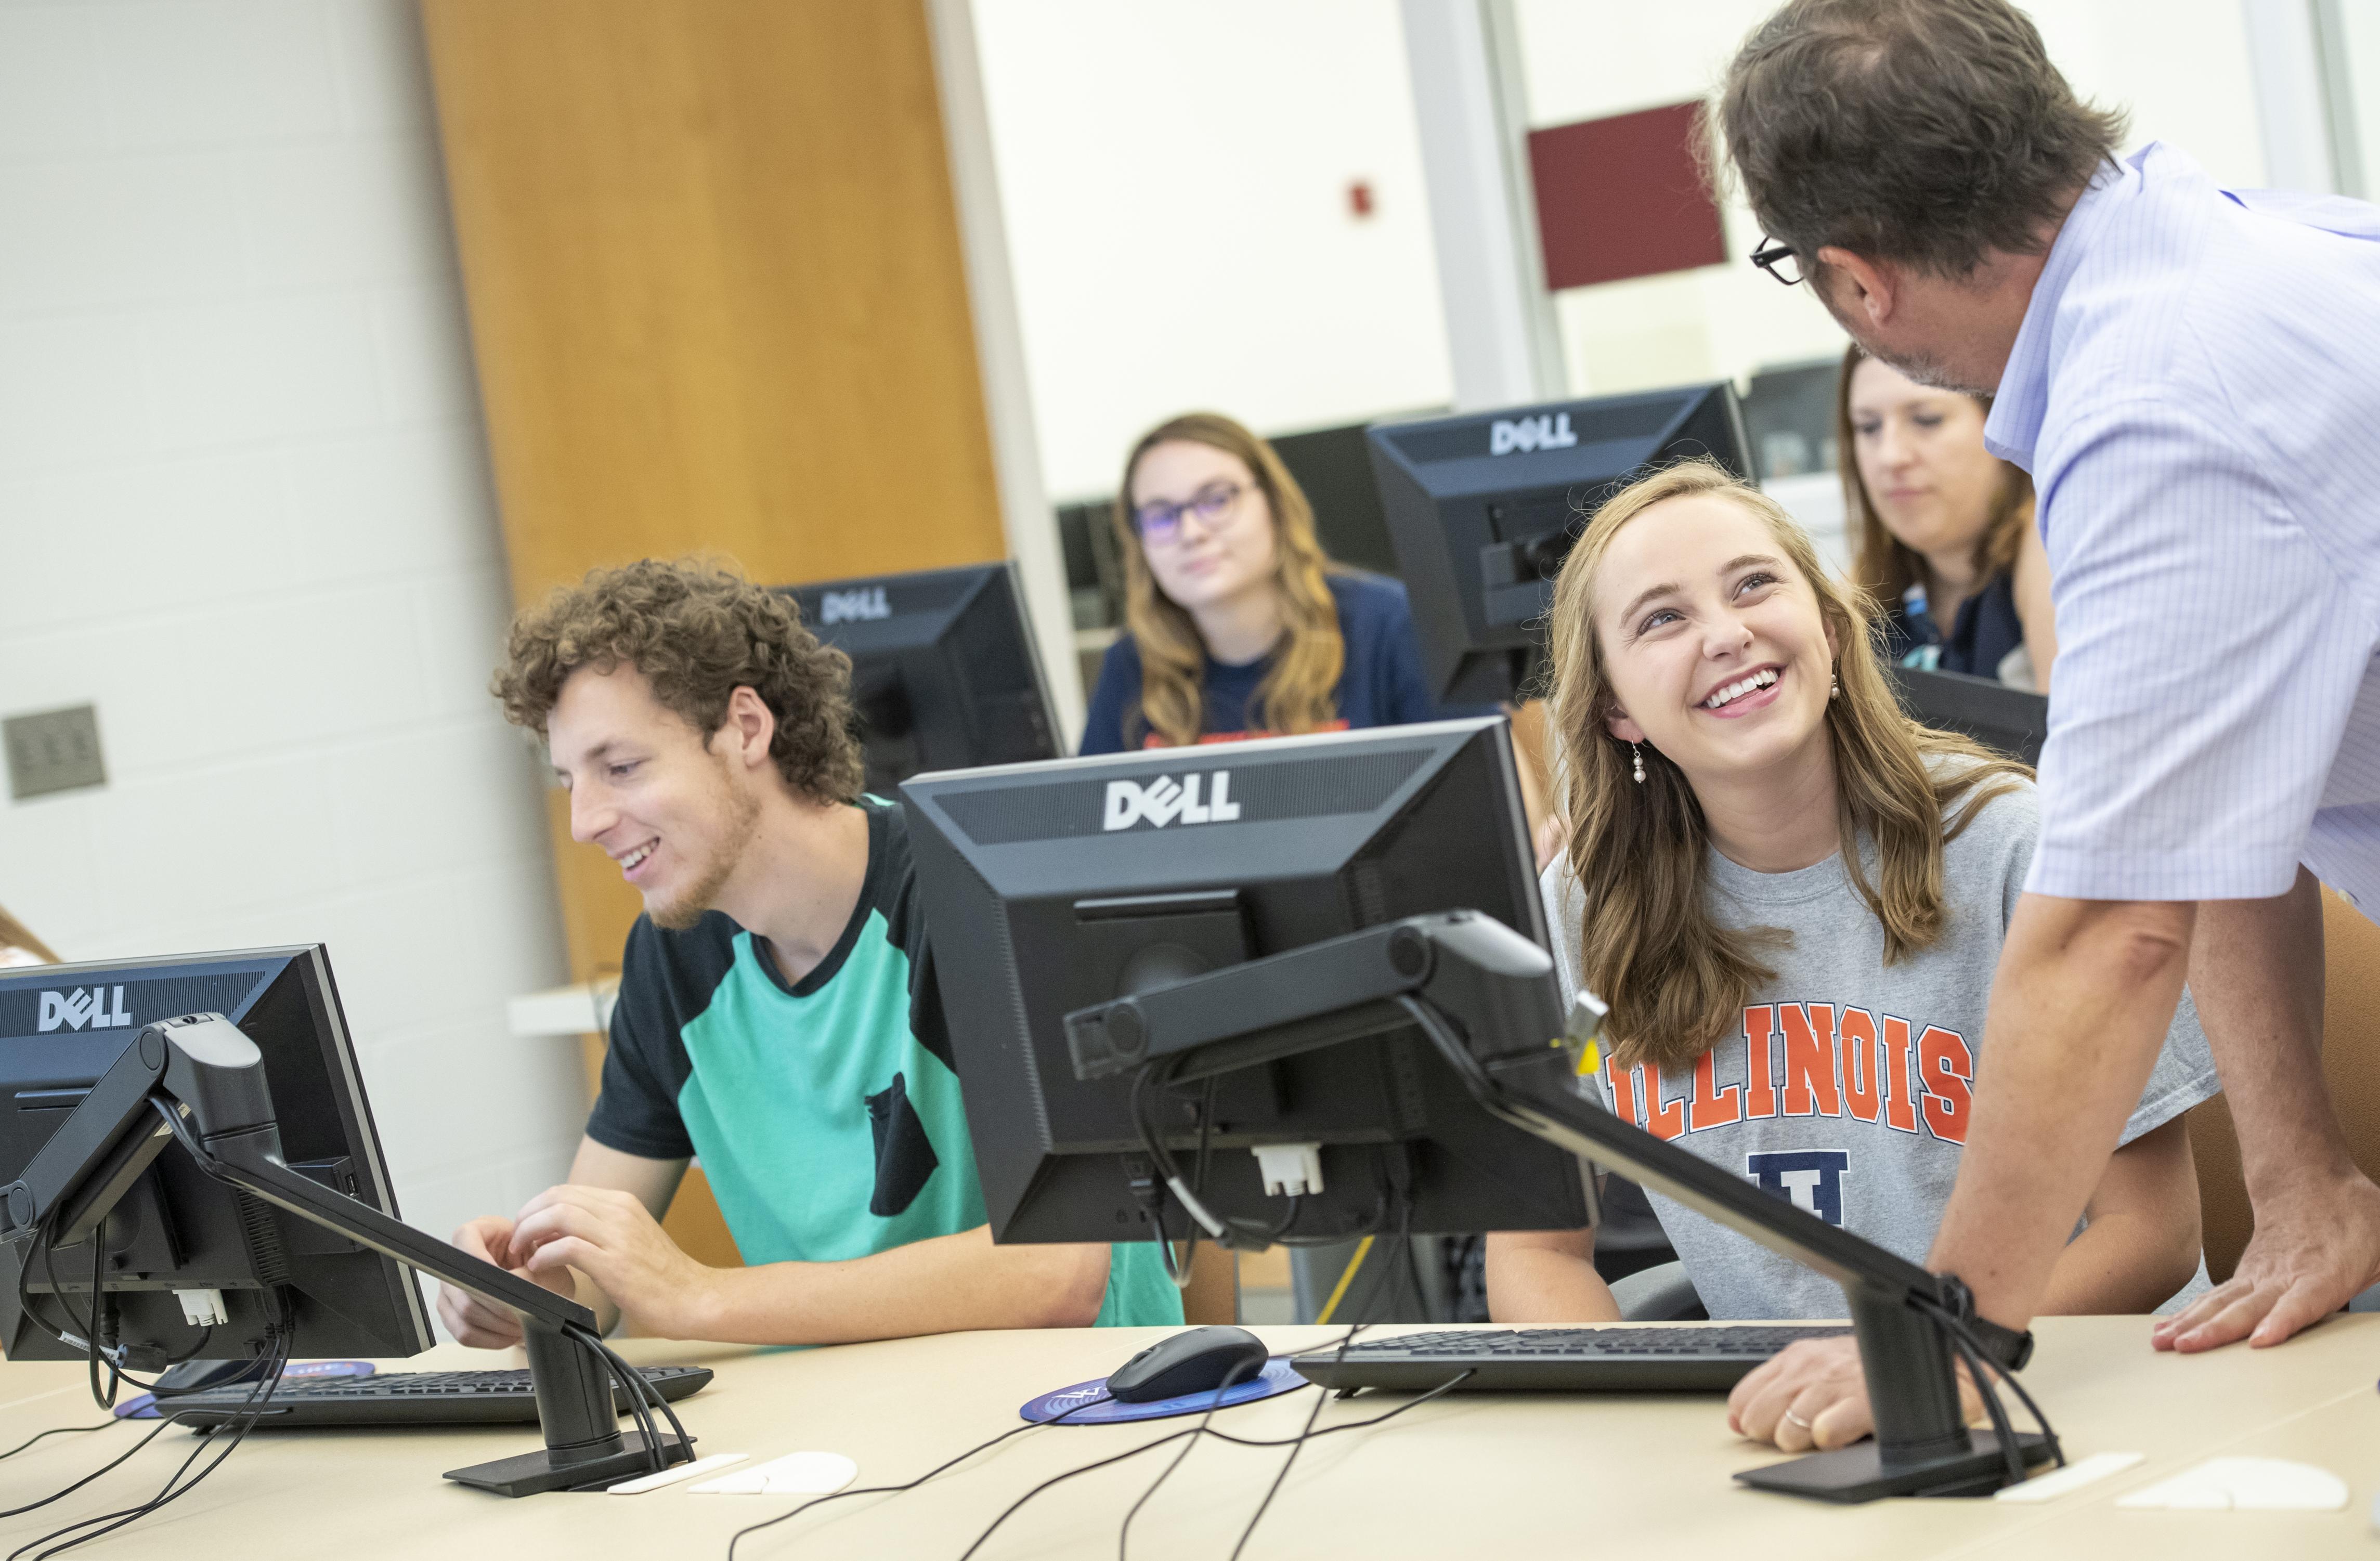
(244, 508)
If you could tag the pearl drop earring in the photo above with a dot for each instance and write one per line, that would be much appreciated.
(1834, 687)
(1639, 752)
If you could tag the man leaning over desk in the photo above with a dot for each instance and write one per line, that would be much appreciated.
(2188, 373)
(777, 1013)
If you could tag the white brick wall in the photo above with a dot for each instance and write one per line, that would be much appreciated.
(245, 510)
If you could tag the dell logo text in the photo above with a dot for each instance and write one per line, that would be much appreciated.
(76, 1008)
(1167, 800)
(844, 606)
(1548, 431)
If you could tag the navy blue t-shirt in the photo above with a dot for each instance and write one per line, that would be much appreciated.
(1380, 684)
(1986, 632)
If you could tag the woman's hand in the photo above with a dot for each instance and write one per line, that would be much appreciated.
(1812, 1396)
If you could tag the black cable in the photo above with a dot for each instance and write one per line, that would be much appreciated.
(1231, 1379)
(638, 1392)
(2011, 1457)
(1304, 1432)
(1413, 1403)
(57, 1431)
(737, 1536)
(1060, 1479)
(1245, 1232)
(638, 1387)
(61, 1496)
(252, 1410)
(1982, 1367)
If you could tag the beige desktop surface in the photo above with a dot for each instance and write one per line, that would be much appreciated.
(1505, 1476)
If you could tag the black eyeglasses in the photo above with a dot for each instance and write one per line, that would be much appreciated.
(1779, 260)
(1160, 523)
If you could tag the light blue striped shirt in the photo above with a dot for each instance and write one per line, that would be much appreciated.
(2196, 392)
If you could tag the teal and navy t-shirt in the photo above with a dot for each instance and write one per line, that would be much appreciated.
(825, 1111)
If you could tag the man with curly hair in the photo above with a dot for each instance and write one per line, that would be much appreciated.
(778, 1014)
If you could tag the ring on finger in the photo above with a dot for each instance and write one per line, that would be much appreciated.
(1792, 1419)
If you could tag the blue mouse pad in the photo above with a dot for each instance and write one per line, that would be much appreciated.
(145, 1405)
(1093, 1407)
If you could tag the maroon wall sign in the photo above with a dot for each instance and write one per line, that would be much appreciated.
(1623, 197)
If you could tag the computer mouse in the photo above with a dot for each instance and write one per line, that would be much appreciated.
(1195, 1361)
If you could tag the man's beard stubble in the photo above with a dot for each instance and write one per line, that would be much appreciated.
(1928, 372)
(683, 912)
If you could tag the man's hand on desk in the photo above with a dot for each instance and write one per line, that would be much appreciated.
(1812, 1395)
(2315, 1250)
(612, 1239)
(473, 1321)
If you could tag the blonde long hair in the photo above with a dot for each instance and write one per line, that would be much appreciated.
(1675, 978)
(1299, 692)
(1886, 565)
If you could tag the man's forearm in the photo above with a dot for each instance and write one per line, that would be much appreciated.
(944, 1285)
(2084, 994)
(2255, 972)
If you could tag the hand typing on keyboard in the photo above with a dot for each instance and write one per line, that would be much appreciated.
(613, 1238)
(473, 1321)
(1812, 1395)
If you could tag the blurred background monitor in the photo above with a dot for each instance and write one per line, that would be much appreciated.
(1483, 507)
(2012, 721)
(62, 1027)
(944, 673)
(1056, 886)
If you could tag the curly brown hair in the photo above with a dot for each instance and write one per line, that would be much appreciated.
(698, 632)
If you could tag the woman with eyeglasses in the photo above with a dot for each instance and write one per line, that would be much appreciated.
(1237, 625)
(1944, 529)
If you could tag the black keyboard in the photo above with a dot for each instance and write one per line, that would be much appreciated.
(1710, 1358)
(406, 1398)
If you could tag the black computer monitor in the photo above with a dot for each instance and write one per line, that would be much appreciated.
(1050, 888)
(176, 1229)
(1334, 467)
(1484, 508)
(2010, 721)
(944, 673)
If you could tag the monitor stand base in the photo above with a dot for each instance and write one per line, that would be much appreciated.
(535, 1473)
(1859, 1474)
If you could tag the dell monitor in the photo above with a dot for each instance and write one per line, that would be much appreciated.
(1333, 468)
(2012, 722)
(944, 674)
(1050, 888)
(203, 1180)
(1484, 509)
(177, 1249)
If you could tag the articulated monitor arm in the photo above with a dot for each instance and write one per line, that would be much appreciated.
(196, 1079)
(1486, 999)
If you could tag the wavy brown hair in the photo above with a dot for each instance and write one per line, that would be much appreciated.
(1887, 566)
(698, 631)
(1676, 979)
(1299, 692)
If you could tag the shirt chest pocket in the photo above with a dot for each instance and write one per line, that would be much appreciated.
(905, 1155)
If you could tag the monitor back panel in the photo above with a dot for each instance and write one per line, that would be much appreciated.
(1483, 507)
(63, 1026)
(1054, 887)
(945, 674)
(2012, 722)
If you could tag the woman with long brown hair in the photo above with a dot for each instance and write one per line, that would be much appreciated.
(1237, 625)
(1944, 529)
(1792, 897)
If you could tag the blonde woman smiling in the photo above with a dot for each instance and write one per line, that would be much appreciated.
(1793, 898)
